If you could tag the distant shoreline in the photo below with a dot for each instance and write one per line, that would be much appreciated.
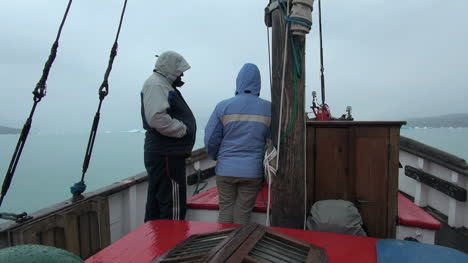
(8, 130)
(459, 120)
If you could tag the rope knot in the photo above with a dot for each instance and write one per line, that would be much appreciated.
(114, 49)
(78, 188)
(103, 90)
(55, 46)
(40, 91)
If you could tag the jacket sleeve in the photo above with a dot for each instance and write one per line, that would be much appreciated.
(156, 105)
(213, 135)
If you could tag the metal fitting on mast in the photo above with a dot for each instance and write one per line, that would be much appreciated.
(301, 16)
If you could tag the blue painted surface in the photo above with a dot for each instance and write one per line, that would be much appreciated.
(399, 251)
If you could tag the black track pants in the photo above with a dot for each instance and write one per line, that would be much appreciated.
(167, 187)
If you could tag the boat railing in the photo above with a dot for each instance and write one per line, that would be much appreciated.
(99, 218)
(107, 214)
(435, 179)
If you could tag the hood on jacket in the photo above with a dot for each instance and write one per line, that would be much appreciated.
(248, 80)
(171, 64)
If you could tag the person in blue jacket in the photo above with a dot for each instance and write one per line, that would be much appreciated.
(235, 137)
(170, 135)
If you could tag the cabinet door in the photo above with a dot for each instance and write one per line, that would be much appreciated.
(331, 164)
(371, 159)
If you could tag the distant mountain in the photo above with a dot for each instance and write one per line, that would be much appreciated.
(449, 120)
(8, 130)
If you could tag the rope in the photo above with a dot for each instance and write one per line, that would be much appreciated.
(275, 153)
(292, 120)
(269, 58)
(296, 20)
(305, 175)
(199, 180)
(270, 170)
(39, 92)
(285, 58)
(297, 54)
(322, 69)
(78, 188)
(269, 156)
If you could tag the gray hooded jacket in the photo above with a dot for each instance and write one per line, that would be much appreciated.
(166, 116)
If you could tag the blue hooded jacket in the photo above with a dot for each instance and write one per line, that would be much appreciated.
(237, 131)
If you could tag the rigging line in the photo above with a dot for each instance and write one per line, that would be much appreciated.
(104, 89)
(283, 76)
(269, 58)
(305, 171)
(78, 188)
(41, 85)
(39, 92)
(322, 76)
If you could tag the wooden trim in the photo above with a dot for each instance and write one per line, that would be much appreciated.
(310, 166)
(198, 155)
(72, 242)
(314, 253)
(432, 154)
(393, 174)
(352, 170)
(456, 192)
(249, 259)
(104, 223)
(245, 247)
(205, 174)
(354, 123)
(102, 192)
(231, 244)
(84, 235)
(238, 244)
(169, 256)
(82, 229)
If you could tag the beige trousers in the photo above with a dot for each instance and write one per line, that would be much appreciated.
(237, 197)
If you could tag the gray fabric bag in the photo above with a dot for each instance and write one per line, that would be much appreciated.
(336, 216)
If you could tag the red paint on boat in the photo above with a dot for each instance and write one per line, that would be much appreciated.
(154, 238)
(409, 214)
(209, 200)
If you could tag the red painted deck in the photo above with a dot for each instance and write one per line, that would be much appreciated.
(209, 200)
(410, 214)
(154, 238)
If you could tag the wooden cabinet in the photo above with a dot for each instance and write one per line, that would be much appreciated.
(358, 162)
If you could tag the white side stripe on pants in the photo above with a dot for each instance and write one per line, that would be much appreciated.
(175, 200)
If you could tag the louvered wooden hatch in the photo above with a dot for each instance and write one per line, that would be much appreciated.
(247, 244)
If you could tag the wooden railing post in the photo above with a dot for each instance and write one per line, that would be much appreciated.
(420, 195)
(457, 209)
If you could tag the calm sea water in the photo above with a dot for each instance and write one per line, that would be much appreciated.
(51, 163)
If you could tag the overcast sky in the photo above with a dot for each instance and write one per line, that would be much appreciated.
(387, 59)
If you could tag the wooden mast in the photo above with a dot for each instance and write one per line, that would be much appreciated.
(288, 184)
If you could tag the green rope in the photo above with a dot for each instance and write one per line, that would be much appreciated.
(296, 20)
(297, 54)
(296, 74)
(292, 120)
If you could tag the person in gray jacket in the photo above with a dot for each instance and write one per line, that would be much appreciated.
(170, 135)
